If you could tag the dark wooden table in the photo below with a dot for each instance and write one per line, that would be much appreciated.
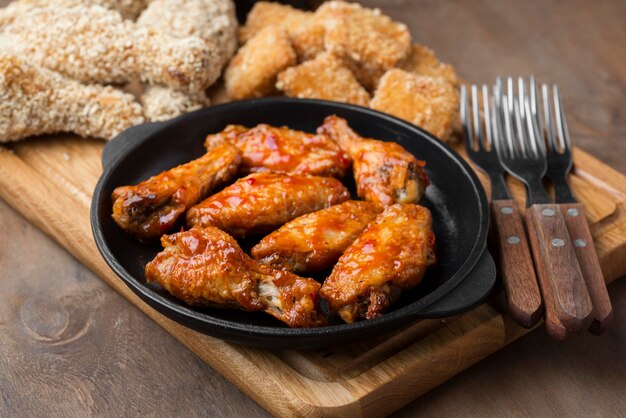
(69, 345)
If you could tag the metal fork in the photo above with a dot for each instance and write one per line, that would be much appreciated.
(521, 149)
(517, 271)
(551, 121)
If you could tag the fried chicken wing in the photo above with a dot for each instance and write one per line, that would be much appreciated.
(261, 202)
(267, 148)
(385, 173)
(391, 255)
(315, 241)
(206, 267)
(151, 208)
(35, 101)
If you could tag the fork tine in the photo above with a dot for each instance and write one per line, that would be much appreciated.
(478, 128)
(498, 124)
(509, 93)
(547, 111)
(521, 135)
(487, 113)
(561, 123)
(521, 96)
(465, 119)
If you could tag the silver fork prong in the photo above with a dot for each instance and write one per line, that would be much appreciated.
(547, 112)
(478, 129)
(465, 118)
(498, 124)
(533, 134)
(488, 144)
(561, 123)
(521, 96)
(533, 96)
(521, 136)
(508, 128)
(510, 93)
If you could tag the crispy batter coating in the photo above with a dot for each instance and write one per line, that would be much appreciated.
(391, 255)
(370, 42)
(261, 202)
(385, 173)
(129, 9)
(268, 148)
(206, 267)
(430, 103)
(163, 103)
(265, 13)
(152, 207)
(213, 21)
(315, 241)
(93, 44)
(252, 71)
(308, 41)
(423, 61)
(325, 77)
(35, 101)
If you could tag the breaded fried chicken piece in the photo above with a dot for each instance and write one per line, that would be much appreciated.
(93, 44)
(213, 21)
(315, 241)
(369, 42)
(261, 202)
(308, 41)
(152, 207)
(162, 103)
(252, 71)
(325, 77)
(265, 13)
(129, 9)
(390, 256)
(430, 103)
(423, 61)
(206, 267)
(268, 148)
(35, 101)
(385, 173)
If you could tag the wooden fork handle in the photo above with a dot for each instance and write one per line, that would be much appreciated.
(516, 265)
(576, 221)
(566, 299)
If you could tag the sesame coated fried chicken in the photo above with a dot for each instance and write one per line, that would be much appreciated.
(35, 101)
(93, 44)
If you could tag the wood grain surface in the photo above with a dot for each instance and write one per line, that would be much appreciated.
(71, 346)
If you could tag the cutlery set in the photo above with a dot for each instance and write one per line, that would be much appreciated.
(530, 141)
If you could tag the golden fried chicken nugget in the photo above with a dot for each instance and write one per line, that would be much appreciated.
(265, 13)
(325, 77)
(370, 42)
(308, 41)
(423, 61)
(252, 71)
(430, 103)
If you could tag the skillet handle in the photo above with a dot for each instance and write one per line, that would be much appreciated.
(472, 291)
(126, 140)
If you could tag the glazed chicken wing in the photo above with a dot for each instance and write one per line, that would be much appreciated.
(152, 207)
(261, 202)
(391, 255)
(315, 241)
(267, 148)
(385, 173)
(206, 267)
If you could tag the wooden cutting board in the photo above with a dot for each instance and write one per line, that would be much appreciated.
(50, 181)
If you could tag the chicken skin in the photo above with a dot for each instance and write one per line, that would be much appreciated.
(206, 267)
(152, 207)
(391, 255)
(385, 173)
(261, 202)
(315, 241)
(267, 148)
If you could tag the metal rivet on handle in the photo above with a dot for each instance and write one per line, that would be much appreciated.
(580, 243)
(506, 210)
(513, 240)
(558, 242)
(572, 212)
(548, 212)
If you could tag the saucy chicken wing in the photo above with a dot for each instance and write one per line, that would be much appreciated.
(152, 207)
(261, 202)
(267, 148)
(315, 241)
(206, 267)
(391, 255)
(385, 173)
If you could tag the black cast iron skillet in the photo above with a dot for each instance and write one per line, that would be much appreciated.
(463, 277)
